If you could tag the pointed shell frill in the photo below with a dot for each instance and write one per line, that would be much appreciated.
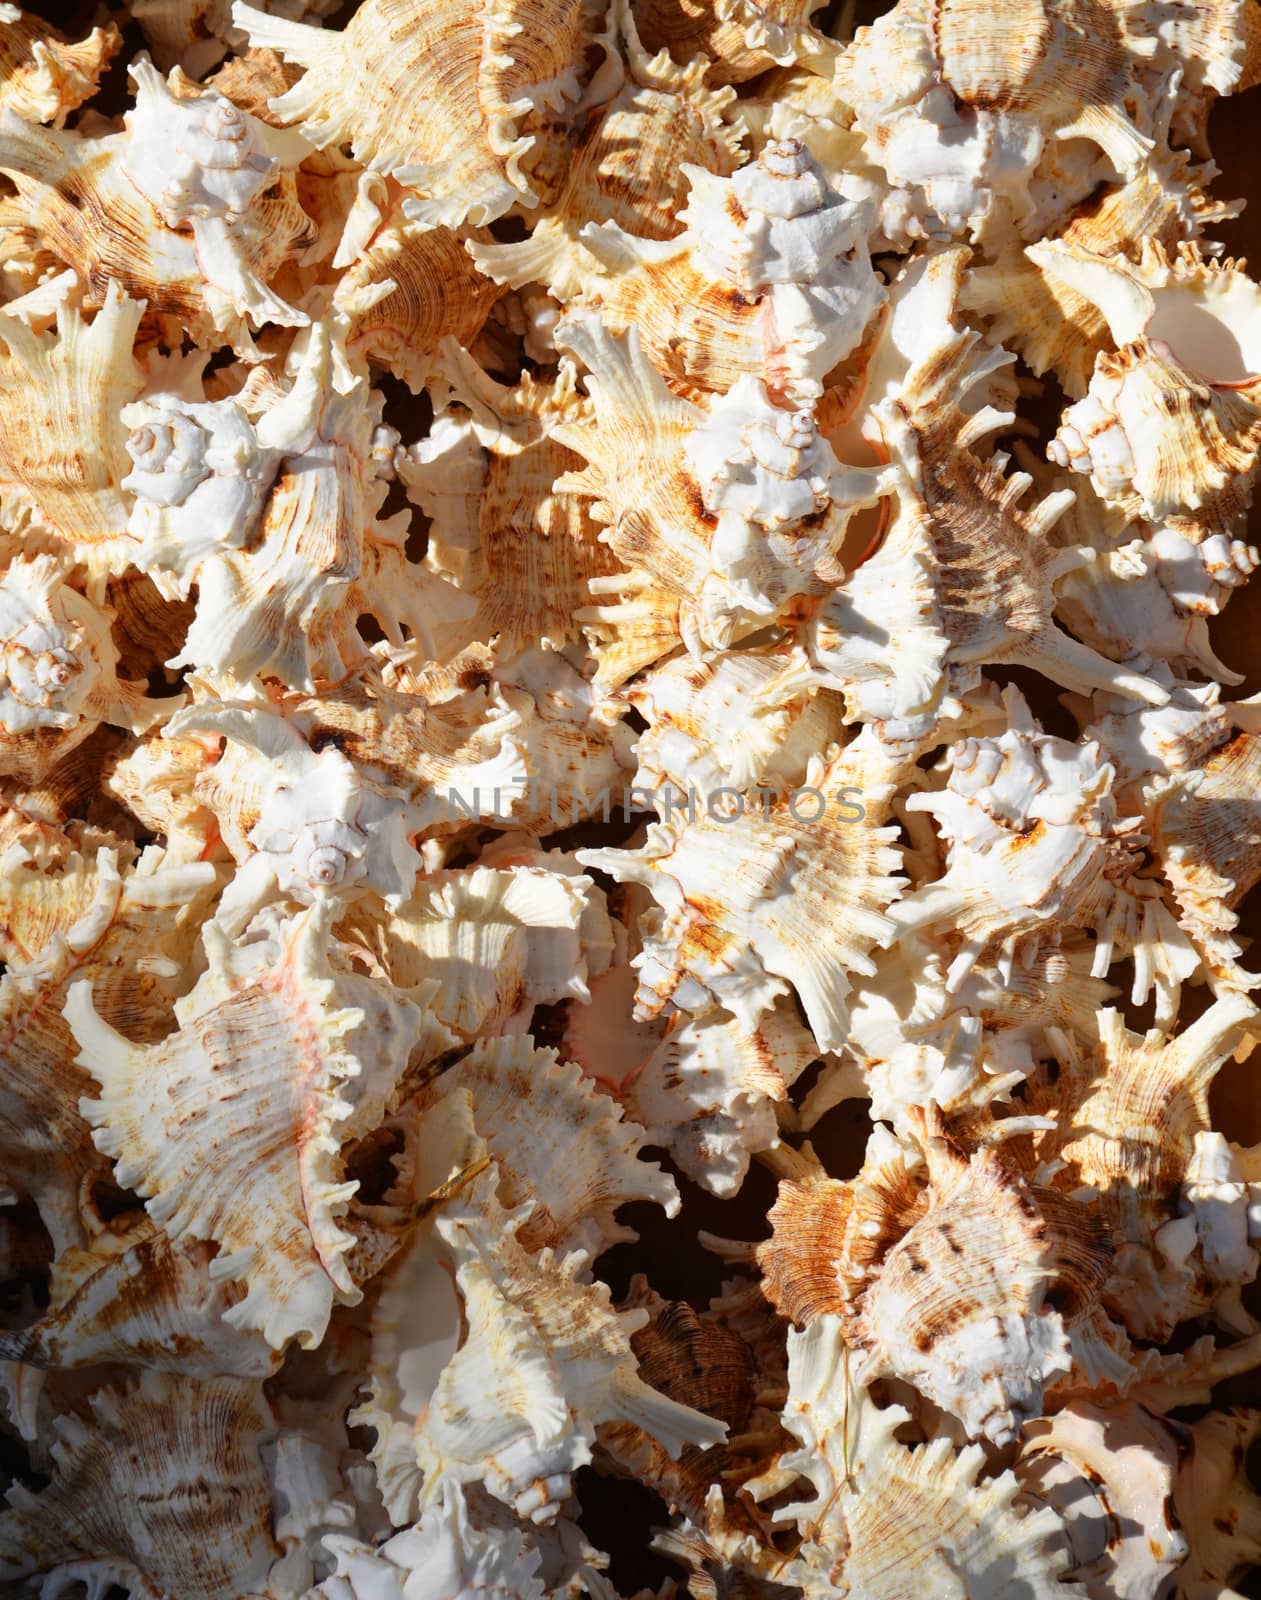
(458, 147)
(43, 75)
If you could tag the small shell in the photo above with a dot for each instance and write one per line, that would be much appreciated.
(62, 446)
(1207, 837)
(57, 671)
(738, 509)
(1160, 444)
(193, 208)
(159, 1485)
(725, 929)
(1110, 1476)
(454, 1556)
(708, 1092)
(313, 830)
(524, 1101)
(42, 76)
(324, 1047)
(708, 726)
(286, 604)
(769, 278)
(196, 34)
(875, 1498)
(458, 145)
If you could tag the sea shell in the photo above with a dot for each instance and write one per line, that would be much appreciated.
(962, 106)
(134, 1296)
(488, 475)
(197, 34)
(459, 146)
(740, 39)
(125, 932)
(44, 77)
(57, 668)
(293, 1097)
(769, 278)
(925, 1277)
(1110, 1475)
(157, 1484)
(571, 1365)
(628, 168)
(314, 830)
(726, 929)
(192, 208)
(405, 287)
(63, 447)
(738, 509)
(622, 854)
(1049, 804)
(874, 1497)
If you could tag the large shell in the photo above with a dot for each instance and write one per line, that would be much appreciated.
(728, 930)
(864, 1529)
(769, 278)
(738, 509)
(458, 144)
(273, 1042)
(565, 1361)
(158, 1485)
(193, 208)
(926, 1278)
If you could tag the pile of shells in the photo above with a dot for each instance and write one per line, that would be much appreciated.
(607, 603)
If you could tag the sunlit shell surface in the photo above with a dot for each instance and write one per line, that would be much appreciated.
(630, 801)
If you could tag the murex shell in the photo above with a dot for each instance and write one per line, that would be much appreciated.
(629, 810)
